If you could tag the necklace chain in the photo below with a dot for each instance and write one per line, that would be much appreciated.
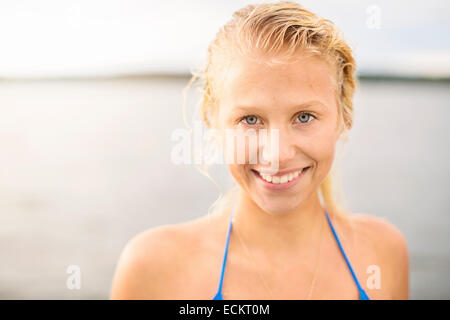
(247, 252)
(313, 280)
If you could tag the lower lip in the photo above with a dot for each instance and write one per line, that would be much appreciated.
(280, 186)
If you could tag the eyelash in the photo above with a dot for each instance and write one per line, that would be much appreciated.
(296, 117)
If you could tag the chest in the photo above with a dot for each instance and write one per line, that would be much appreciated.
(326, 278)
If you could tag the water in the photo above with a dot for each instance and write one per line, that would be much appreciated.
(86, 165)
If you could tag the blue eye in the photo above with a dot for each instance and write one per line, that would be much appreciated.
(304, 117)
(251, 120)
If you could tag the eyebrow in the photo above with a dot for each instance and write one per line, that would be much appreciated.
(309, 103)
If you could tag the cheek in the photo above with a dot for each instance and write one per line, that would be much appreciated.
(320, 149)
(241, 149)
(239, 173)
(320, 146)
(241, 155)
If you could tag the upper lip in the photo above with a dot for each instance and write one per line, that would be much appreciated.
(279, 173)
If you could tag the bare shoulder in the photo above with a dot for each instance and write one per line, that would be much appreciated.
(150, 259)
(142, 260)
(383, 245)
(380, 232)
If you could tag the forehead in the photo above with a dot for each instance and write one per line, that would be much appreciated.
(249, 82)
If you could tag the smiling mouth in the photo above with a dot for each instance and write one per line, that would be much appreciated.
(281, 180)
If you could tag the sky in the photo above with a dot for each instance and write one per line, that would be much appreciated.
(83, 38)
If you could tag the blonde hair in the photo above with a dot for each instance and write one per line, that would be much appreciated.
(280, 32)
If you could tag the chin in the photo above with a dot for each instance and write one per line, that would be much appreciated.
(277, 206)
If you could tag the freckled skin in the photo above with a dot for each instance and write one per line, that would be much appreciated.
(281, 229)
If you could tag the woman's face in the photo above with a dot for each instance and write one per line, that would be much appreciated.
(298, 99)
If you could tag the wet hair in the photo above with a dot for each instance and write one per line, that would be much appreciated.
(280, 32)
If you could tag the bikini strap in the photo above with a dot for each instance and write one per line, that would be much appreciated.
(362, 293)
(218, 295)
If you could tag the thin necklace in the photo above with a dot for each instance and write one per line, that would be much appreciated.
(313, 280)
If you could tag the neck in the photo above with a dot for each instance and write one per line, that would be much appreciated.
(278, 232)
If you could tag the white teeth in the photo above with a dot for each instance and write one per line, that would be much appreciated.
(280, 179)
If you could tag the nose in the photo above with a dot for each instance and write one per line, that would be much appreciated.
(286, 146)
(281, 146)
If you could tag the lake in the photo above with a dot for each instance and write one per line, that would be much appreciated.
(86, 164)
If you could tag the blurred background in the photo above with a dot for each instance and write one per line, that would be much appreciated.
(91, 91)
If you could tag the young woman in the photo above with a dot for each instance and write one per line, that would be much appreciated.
(282, 236)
